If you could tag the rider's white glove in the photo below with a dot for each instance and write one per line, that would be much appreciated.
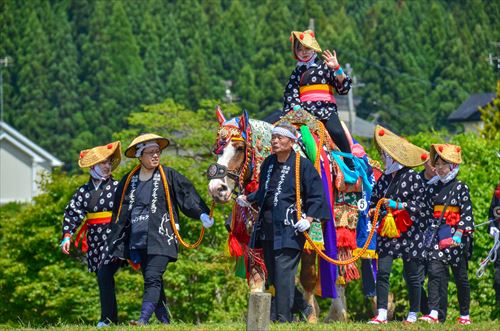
(493, 230)
(206, 220)
(302, 225)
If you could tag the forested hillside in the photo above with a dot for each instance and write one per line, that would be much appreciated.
(80, 67)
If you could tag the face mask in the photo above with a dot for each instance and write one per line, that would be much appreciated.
(449, 176)
(97, 173)
(391, 165)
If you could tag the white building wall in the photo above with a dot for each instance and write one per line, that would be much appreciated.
(16, 174)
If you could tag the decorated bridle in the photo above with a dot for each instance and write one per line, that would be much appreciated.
(228, 132)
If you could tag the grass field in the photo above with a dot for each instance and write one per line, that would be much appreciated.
(450, 325)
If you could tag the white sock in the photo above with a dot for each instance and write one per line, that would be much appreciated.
(466, 317)
(412, 317)
(382, 314)
(433, 313)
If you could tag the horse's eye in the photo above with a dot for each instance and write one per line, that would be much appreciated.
(240, 149)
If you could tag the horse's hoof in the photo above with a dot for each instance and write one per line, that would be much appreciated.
(312, 319)
(309, 315)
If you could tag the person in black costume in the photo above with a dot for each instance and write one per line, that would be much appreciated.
(312, 84)
(92, 205)
(141, 227)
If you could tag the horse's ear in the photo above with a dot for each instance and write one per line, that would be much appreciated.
(220, 115)
(244, 122)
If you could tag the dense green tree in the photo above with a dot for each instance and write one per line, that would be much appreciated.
(151, 86)
(10, 37)
(64, 83)
(113, 69)
(490, 115)
(177, 85)
(246, 89)
(273, 58)
(31, 102)
(95, 62)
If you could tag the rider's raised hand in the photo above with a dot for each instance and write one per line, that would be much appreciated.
(331, 59)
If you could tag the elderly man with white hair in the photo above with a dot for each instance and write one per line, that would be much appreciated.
(278, 231)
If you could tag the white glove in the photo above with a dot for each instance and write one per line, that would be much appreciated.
(493, 231)
(302, 225)
(206, 220)
(241, 200)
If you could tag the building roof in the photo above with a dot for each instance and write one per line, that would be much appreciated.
(38, 154)
(469, 109)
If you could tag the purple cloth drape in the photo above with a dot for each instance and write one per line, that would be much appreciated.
(328, 271)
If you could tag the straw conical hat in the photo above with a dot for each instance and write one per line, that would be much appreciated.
(145, 137)
(400, 149)
(449, 153)
(306, 38)
(93, 156)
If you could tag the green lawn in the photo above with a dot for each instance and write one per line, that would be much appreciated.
(490, 326)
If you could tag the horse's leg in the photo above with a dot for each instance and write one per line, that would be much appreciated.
(257, 278)
(338, 308)
(373, 303)
(256, 282)
(308, 279)
(391, 306)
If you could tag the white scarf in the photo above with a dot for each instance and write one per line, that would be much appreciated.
(96, 173)
(451, 175)
(143, 146)
(283, 132)
(391, 165)
(433, 180)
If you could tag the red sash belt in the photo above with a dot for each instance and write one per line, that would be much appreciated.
(103, 217)
(451, 215)
(317, 92)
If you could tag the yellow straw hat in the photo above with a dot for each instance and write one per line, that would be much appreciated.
(449, 153)
(93, 156)
(306, 38)
(400, 149)
(145, 137)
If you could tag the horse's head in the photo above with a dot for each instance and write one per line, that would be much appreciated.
(233, 150)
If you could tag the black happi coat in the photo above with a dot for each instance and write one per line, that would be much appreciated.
(161, 238)
(317, 73)
(407, 186)
(437, 194)
(88, 199)
(284, 213)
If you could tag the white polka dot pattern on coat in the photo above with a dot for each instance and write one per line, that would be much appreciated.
(79, 206)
